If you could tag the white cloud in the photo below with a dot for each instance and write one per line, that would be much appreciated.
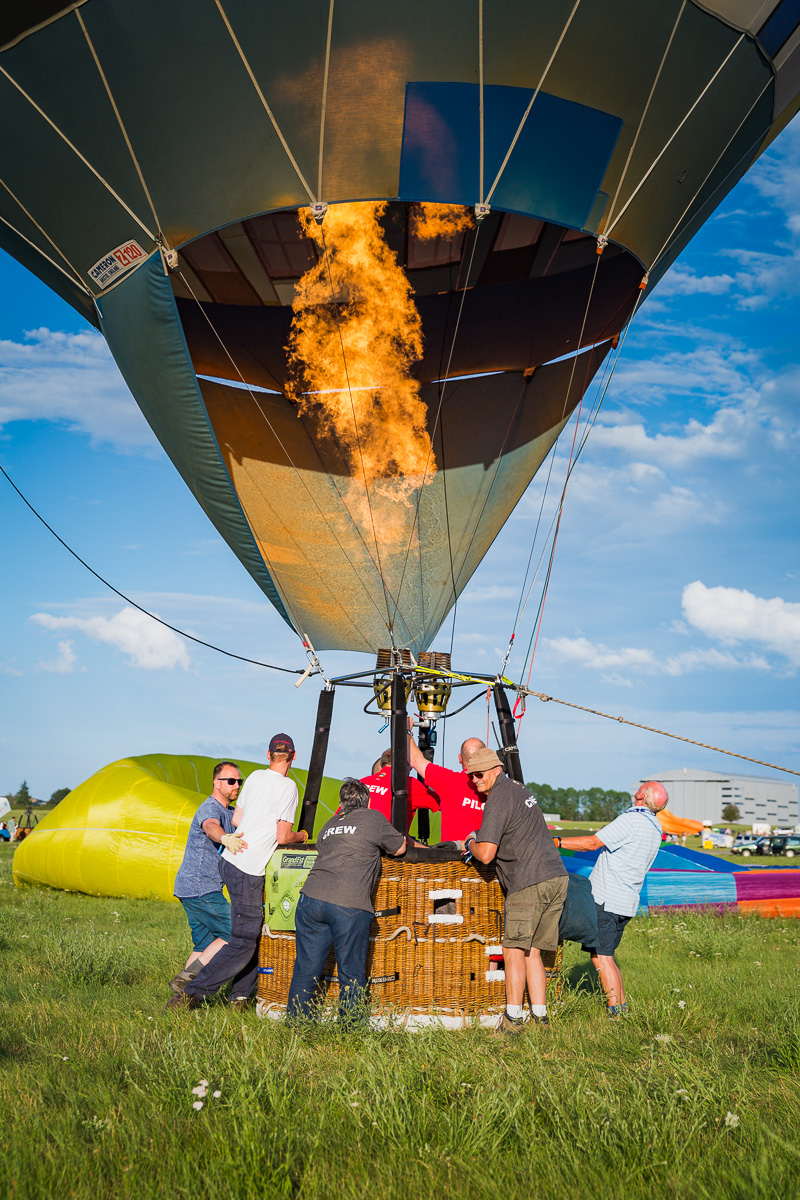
(148, 645)
(598, 657)
(683, 281)
(733, 615)
(64, 663)
(8, 668)
(70, 378)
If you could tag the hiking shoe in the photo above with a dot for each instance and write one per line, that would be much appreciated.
(239, 1004)
(182, 1001)
(511, 1025)
(540, 1020)
(180, 981)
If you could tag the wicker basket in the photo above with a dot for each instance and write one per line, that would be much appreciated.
(434, 945)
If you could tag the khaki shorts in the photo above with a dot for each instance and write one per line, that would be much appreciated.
(532, 915)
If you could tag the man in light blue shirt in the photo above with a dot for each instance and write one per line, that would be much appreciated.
(628, 848)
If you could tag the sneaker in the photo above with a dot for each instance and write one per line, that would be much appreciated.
(239, 1004)
(616, 1011)
(182, 1001)
(511, 1025)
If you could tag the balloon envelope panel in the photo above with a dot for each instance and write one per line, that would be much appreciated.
(123, 831)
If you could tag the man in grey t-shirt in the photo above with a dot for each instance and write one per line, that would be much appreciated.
(198, 884)
(335, 906)
(515, 837)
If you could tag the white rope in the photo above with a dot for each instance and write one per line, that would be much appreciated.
(263, 100)
(47, 257)
(77, 152)
(120, 122)
(44, 234)
(526, 114)
(644, 113)
(480, 86)
(524, 691)
(667, 145)
(713, 169)
(324, 97)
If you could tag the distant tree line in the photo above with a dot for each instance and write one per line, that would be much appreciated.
(22, 797)
(581, 804)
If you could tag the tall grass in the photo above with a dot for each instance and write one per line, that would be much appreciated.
(695, 1095)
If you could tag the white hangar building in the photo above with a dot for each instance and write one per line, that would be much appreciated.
(702, 795)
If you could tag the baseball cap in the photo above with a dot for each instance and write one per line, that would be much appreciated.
(281, 744)
(483, 760)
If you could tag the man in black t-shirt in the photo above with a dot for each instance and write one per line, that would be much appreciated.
(514, 835)
(335, 905)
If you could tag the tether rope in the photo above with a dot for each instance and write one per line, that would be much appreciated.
(77, 152)
(324, 107)
(644, 114)
(118, 115)
(263, 100)
(46, 235)
(182, 633)
(76, 282)
(650, 729)
(724, 180)
(669, 142)
(526, 114)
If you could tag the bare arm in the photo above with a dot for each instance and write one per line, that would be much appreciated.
(581, 843)
(416, 759)
(213, 830)
(483, 851)
(287, 836)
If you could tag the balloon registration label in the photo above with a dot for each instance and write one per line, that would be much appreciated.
(106, 269)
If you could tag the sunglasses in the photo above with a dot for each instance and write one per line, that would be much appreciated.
(475, 774)
(230, 781)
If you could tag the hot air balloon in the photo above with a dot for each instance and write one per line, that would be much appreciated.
(164, 168)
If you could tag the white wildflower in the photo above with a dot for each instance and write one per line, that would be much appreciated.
(681, 1092)
(198, 1104)
(216, 1094)
(681, 1004)
(663, 1037)
(65, 1058)
(731, 1120)
(354, 1104)
(200, 1091)
(758, 964)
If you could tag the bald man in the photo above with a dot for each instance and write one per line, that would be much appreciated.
(628, 848)
(460, 804)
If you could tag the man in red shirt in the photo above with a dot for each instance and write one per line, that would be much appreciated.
(380, 791)
(459, 803)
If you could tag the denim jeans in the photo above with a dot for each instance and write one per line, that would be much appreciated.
(239, 959)
(318, 926)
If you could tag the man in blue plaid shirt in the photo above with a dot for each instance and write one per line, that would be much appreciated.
(628, 848)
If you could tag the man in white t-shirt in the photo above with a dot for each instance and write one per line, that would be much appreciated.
(263, 817)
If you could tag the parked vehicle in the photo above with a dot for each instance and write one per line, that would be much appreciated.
(786, 845)
(754, 846)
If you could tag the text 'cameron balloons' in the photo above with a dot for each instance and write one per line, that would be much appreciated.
(359, 263)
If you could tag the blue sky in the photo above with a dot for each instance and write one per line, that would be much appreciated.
(675, 595)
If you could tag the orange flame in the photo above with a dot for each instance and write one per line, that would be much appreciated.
(355, 336)
(430, 221)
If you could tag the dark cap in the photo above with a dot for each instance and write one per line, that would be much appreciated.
(281, 744)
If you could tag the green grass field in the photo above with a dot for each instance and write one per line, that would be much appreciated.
(694, 1096)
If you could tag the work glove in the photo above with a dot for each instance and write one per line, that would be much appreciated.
(234, 842)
